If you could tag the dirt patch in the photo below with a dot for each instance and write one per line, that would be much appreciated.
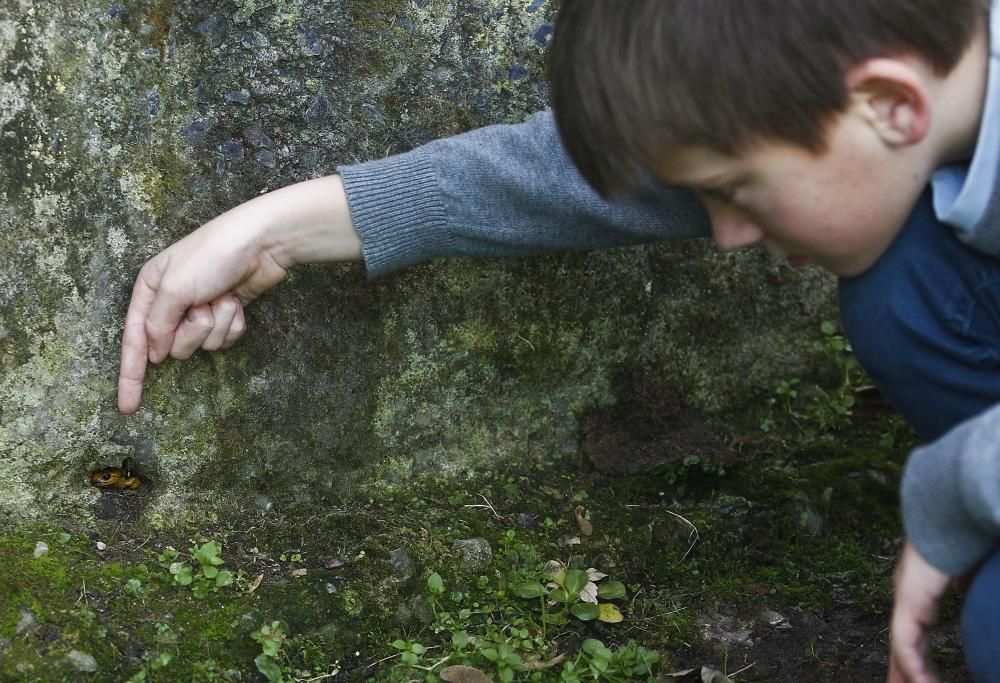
(648, 429)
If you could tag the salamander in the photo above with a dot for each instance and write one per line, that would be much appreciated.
(121, 478)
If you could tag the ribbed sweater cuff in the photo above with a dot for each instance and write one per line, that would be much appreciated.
(396, 207)
(933, 512)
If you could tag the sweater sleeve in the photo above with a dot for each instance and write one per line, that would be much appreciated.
(502, 190)
(951, 495)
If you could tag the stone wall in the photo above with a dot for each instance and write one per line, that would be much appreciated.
(125, 125)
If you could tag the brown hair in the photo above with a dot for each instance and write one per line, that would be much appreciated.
(631, 78)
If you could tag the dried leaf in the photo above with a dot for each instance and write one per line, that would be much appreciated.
(596, 575)
(463, 674)
(254, 584)
(609, 614)
(589, 593)
(532, 664)
(586, 528)
(568, 540)
(703, 675)
(554, 567)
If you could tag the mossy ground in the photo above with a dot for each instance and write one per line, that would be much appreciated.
(809, 531)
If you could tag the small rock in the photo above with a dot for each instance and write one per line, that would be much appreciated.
(254, 39)
(333, 563)
(543, 34)
(265, 157)
(476, 553)
(330, 588)
(311, 45)
(256, 137)
(215, 28)
(26, 622)
(402, 564)
(41, 548)
(195, 130)
(318, 110)
(231, 149)
(82, 661)
(416, 609)
(154, 103)
(525, 521)
(102, 546)
(569, 540)
(238, 96)
(517, 72)
(773, 619)
(298, 573)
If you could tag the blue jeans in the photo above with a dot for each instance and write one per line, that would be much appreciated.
(924, 322)
(981, 623)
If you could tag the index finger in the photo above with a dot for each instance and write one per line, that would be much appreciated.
(135, 347)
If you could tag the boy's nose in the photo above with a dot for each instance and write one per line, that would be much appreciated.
(732, 230)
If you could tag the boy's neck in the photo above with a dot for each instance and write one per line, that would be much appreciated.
(960, 98)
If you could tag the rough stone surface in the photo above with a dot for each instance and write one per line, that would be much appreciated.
(475, 553)
(124, 126)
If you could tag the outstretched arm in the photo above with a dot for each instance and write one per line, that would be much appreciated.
(497, 191)
(192, 294)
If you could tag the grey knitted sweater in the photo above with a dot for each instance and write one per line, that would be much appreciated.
(512, 190)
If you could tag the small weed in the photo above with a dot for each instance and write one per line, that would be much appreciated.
(201, 571)
(271, 638)
(815, 410)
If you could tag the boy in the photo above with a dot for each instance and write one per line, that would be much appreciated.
(858, 135)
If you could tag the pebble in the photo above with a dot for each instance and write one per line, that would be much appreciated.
(102, 546)
(26, 622)
(525, 521)
(231, 149)
(41, 548)
(543, 34)
(773, 619)
(402, 564)
(330, 588)
(476, 553)
(238, 96)
(318, 110)
(82, 661)
(256, 137)
(215, 28)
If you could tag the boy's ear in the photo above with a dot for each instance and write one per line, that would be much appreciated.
(891, 96)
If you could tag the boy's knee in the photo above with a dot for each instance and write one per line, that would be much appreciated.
(924, 322)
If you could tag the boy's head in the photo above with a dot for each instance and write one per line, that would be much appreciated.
(829, 102)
